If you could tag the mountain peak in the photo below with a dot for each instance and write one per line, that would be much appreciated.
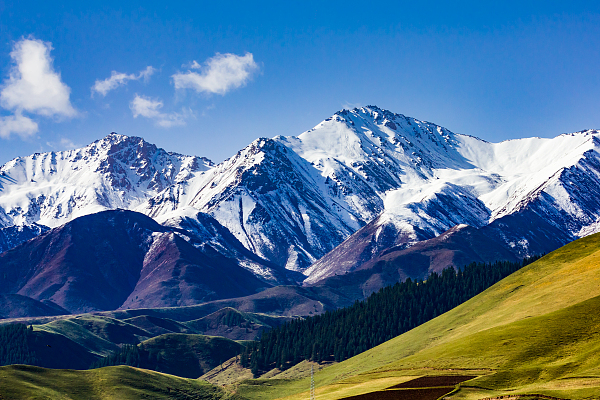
(116, 171)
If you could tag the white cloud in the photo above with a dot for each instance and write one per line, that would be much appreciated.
(68, 144)
(33, 85)
(64, 144)
(220, 74)
(119, 79)
(17, 124)
(146, 107)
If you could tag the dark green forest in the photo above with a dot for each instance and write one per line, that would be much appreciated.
(340, 334)
(14, 345)
(128, 355)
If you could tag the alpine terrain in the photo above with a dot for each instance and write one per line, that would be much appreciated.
(353, 196)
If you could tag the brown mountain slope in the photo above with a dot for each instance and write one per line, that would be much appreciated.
(118, 259)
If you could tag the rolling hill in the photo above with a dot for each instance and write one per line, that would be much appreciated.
(126, 383)
(536, 331)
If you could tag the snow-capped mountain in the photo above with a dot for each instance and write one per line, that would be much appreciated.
(293, 199)
(555, 180)
(389, 179)
(115, 172)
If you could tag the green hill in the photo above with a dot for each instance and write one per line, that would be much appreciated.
(122, 383)
(536, 331)
(185, 355)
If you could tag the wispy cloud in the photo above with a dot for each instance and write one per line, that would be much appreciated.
(18, 124)
(64, 144)
(119, 79)
(148, 108)
(218, 75)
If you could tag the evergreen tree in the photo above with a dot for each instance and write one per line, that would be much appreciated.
(14, 344)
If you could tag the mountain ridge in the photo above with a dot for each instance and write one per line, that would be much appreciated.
(291, 201)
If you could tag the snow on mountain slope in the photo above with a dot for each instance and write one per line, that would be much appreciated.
(202, 231)
(14, 235)
(269, 199)
(292, 200)
(557, 179)
(114, 172)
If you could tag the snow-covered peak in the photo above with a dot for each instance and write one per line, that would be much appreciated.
(292, 199)
(116, 171)
(372, 135)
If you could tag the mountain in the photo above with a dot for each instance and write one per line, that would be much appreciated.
(114, 172)
(529, 195)
(293, 199)
(366, 178)
(120, 258)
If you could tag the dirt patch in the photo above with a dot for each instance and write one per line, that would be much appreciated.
(433, 381)
(407, 394)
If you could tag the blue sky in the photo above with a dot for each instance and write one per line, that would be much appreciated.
(207, 78)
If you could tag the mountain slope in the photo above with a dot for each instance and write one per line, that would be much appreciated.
(530, 330)
(118, 259)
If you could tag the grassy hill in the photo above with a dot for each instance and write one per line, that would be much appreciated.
(122, 383)
(233, 324)
(189, 355)
(536, 331)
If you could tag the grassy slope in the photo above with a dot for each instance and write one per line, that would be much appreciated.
(190, 355)
(70, 329)
(26, 382)
(564, 278)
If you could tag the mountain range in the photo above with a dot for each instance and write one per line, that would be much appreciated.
(364, 199)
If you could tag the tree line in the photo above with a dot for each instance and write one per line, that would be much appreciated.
(14, 345)
(128, 355)
(343, 333)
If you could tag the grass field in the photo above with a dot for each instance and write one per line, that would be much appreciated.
(537, 331)
(119, 383)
